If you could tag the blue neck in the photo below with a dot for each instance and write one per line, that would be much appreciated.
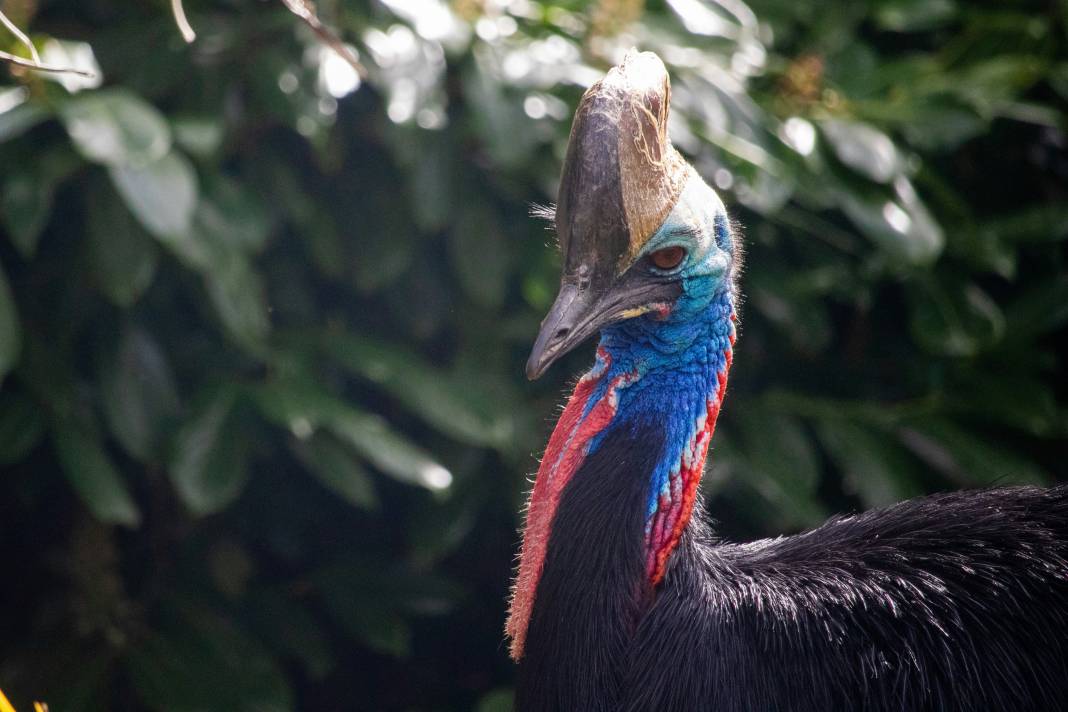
(676, 365)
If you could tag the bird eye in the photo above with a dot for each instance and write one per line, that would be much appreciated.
(668, 258)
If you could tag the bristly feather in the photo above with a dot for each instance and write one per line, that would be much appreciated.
(623, 602)
(546, 213)
(952, 602)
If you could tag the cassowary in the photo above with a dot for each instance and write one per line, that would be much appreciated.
(625, 600)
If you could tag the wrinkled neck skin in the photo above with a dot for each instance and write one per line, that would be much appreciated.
(672, 371)
(666, 368)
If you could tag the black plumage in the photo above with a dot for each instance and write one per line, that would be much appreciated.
(955, 601)
(624, 601)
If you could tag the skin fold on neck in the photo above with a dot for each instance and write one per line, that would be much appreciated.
(666, 368)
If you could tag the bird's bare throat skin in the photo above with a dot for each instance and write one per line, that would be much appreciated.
(614, 391)
(586, 414)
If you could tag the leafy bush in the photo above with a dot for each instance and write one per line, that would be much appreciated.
(262, 323)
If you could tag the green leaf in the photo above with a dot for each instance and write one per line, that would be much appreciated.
(139, 394)
(22, 425)
(26, 205)
(432, 395)
(954, 318)
(433, 184)
(122, 256)
(10, 329)
(302, 407)
(236, 291)
(199, 135)
(162, 194)
(93, 476)
(900, 224)
(1041, 309)
(968, 458)
(287, 627)
(500, 700)
(19, 119)
(863, 148)
(480, 254)
(337, 469)
(915, 15)
(1016, 398)
(386, 241)
(507, 132)
(437, 528)
(369, 601)
(941, 124)
(1033, 224)
(872, 463)
(781, 463)
(229, 214)
(202, 661)
(116, 127)
(208, 465)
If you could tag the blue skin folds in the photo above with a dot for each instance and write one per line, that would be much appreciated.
(676, 357)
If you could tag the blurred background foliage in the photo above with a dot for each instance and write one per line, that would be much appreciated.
(263, 426)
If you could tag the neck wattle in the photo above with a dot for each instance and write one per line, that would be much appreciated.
(668, 371)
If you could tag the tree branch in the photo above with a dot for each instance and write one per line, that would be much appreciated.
(182, 21)
(305, 10)
(35, 59)
(20, 36)
(38, 66)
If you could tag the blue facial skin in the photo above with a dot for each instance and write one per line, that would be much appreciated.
(677, 358)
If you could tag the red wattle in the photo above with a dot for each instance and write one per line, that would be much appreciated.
(563, 456)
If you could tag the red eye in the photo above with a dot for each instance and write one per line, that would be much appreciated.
(668, 258)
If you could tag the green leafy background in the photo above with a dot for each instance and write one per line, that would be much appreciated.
(263, 426)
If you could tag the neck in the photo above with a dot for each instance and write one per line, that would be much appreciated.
(662, 374)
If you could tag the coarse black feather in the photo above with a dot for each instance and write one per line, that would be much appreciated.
(592, 591)
(950, 602)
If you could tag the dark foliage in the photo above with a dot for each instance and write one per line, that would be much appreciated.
(263, 424)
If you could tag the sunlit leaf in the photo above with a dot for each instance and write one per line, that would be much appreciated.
(93, 475)
(431, 394)
(900, 223)
(116, 127)
(162, 194)
(337, 469)
(302, 408)
(915, 15)
(201, 136)
(20, 118)
(863, 148)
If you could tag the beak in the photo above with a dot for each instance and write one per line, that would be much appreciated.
(571, 319)
(578, 313)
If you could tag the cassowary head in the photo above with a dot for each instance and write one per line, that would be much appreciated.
(644, 239)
